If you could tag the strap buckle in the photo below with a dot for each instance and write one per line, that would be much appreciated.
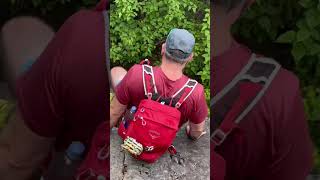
(178, 105)
(218, 136)
(145, 61)
(172, 150)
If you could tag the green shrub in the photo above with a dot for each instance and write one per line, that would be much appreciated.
(305, 40)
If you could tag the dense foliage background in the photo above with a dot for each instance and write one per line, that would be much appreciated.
(288, 30)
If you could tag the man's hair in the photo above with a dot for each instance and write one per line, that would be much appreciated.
(172, 59)
(228, 4)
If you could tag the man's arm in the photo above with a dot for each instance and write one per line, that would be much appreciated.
(195, 131)
(116, 110)
(21, 150)
(196, 125)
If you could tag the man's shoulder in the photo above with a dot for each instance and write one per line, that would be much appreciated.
(285, 84)
(135, 70)
(197, 92)
(84, 17)
(84, 23)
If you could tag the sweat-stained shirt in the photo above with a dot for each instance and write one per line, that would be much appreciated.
(65, 93)
(130, 92)
(272, 142)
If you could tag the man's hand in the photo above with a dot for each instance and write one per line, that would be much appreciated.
(116, 110)
(21, 150)
(195, 131)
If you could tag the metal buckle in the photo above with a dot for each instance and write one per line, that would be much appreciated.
(218, 136)
(149, 95)
(178, 105)
(172, 150)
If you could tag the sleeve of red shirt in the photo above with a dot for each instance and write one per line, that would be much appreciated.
(40, 91)
(122, 90)
(200, 109)
(293, 149)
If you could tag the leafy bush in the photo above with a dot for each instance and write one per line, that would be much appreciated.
(305, 40)
(138, 29)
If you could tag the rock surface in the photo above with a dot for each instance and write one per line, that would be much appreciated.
(196, 166)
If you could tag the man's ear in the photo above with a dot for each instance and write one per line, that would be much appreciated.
(163, 48)
(190, 58)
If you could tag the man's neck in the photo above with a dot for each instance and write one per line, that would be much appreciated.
(171, 70)
(222, 43)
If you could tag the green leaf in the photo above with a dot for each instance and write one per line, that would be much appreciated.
(298, 51)
(314, 49)
(306, 3)
(303, 34)
(313, 18)
(265, 23)
(287, 37)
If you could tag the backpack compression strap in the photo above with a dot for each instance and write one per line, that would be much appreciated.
(179, 97)
(150, 87)
(149, 84)
(238, 98)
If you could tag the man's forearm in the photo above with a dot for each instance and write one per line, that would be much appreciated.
(195, 131)
(116, 111)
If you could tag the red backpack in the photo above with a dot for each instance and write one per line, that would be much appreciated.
(156, 121)
(234, 102)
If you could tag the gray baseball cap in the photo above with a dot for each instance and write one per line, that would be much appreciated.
(179, 44)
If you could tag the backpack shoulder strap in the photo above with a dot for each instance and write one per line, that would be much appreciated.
(239, 97)
(181, 95)
(149, 84)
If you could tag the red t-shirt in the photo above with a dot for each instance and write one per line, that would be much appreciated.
(65, 93)
(130, 91)
(272, 142)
